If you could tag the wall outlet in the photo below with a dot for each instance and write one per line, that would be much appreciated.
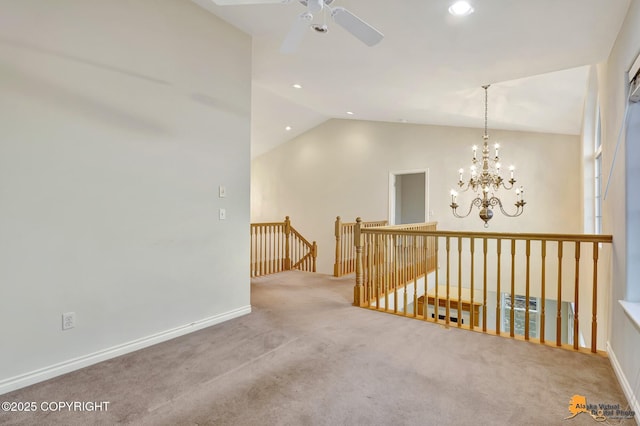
(222, 214)
(68, 320)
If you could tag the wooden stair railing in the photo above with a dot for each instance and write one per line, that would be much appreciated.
(547, 269)
(345, 262)
(278, 246)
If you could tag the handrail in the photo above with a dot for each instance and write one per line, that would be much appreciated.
(277, 247)
(589, 238)
(556, 271)
(345, 256)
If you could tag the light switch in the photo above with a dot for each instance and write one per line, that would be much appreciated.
(222, 191)
(222, 214)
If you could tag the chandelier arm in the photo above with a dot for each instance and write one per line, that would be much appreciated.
(476, 202)
(464, 187)
(512, 184)
(494, 201)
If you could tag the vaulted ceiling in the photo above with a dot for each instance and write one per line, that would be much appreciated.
(430, 67)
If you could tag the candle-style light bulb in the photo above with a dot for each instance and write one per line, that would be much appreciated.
(498, 165)
(461, 171)
(475, 151)
(497, 146)
(453, 196)
(511, 169)
(517, 194)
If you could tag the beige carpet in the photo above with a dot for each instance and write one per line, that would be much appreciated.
(305, 356)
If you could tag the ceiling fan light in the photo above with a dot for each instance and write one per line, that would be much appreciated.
(461, 8)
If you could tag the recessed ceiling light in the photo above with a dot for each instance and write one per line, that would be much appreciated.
(349, 113)
(403, 120)
(296, 86)
(287, 128)
(461, 8)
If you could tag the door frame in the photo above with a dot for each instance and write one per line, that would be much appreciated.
(392, 193)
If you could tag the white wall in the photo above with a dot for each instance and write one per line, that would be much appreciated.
(119, 119)
(341, 168)
(620, 214)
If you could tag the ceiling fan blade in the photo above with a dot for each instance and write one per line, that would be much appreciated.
(242, 2)
(315, 5)
(296, 34)
(356, 26)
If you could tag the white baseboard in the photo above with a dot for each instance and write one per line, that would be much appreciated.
(624, 383)
(23, 380)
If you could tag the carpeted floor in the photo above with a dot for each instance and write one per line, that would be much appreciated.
(305, 356)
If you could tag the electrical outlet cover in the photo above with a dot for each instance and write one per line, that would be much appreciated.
(68, 320)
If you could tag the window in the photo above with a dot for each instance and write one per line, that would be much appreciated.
(519, 306)
(598, 177)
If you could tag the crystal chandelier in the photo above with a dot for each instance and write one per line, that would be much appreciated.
(485, 181)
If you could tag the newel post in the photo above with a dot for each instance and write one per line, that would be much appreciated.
(287, 254)
(336, 265)
(314, 255)
(358, 290)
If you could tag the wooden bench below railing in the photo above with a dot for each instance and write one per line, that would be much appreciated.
(450, 303)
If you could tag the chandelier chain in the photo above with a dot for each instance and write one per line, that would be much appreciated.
(486, 108)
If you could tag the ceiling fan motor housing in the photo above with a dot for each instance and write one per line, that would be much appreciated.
(306, 2)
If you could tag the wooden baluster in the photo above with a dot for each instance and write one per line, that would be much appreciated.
(513, 289)
(498, 292)
(426, 297)
(368, 279)
(543, 296)
(336, 265)
(287, 249)
(415, 264)
(472, 319)
(352, 255)
(576, 329)
(281, 242)
(269, 255)
(394, 268)
(261, 256)
(459, 281)
(425, 282)
(437, 302)
(484, 286)
(378, 269)
(527, 289)
(266, 249)
(559, 298)
(251, 250)
(348, 245)
(358, 291)
(387, 264)
(594, 301)
(404, 281)
(274, 248)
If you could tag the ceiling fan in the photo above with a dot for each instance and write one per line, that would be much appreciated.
(347, 20)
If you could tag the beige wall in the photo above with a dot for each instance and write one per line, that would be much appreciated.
(621, 214)
(342, 168)
(119, 121)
